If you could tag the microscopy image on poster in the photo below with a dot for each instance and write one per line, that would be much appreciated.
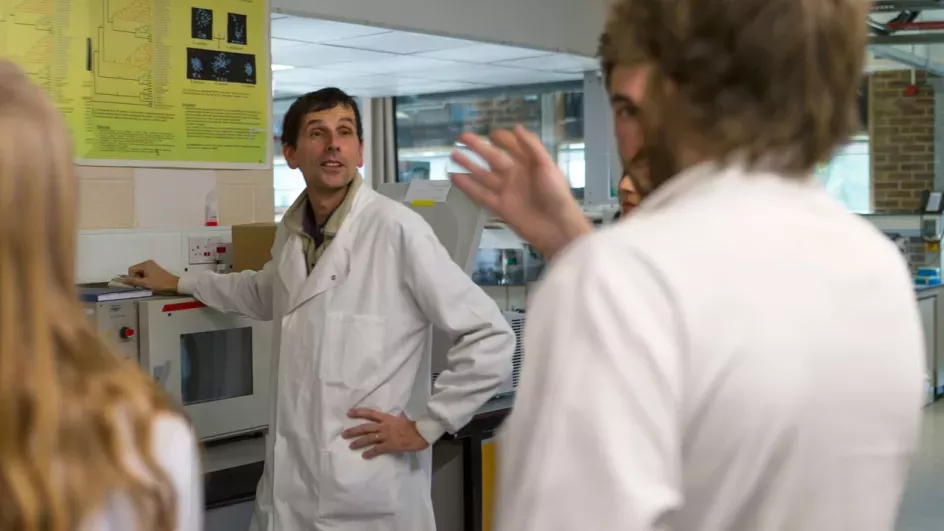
(223, 67)
(236, 29)
(201, 23)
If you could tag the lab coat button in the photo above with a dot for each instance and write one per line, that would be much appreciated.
(334, 277)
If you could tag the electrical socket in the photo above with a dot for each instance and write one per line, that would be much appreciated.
(203, 249)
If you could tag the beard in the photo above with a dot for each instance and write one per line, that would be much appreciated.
(658, 148)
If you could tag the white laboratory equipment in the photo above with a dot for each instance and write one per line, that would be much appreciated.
(920, 227)
(459, 225)
(214, 365)
(457, 221)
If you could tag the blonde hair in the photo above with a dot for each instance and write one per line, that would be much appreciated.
(753, 78)
(68, 406)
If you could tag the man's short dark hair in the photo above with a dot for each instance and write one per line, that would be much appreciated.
(321, 100)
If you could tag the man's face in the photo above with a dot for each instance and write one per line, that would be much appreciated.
(328, 151)
(641, 134)
(627, 89)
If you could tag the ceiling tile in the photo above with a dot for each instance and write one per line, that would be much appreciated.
(401, 42)
(380, 82)
(556, 62)
(485, 53)
(431, 88)
(464, 71)
(317, 31)
(416, 89)
(395, 64)
(495, 75)
(320, 55)
(528, 77)
(312, 77)
(281, 46)
(288, 91)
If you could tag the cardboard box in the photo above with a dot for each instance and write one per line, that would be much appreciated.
(252, 245)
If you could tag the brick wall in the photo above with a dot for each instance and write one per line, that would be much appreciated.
(901, 132)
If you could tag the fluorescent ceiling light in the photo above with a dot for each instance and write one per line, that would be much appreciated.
(276, 68)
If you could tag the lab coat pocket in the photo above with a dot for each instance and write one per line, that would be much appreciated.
(355, 488)
(352, 353)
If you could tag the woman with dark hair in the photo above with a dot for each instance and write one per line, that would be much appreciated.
(628, 196)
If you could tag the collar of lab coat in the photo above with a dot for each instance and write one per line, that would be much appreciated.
(333, 267)
(682, 184)
(702, 177)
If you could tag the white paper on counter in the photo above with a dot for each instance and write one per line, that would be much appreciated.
(420, 190)
(171, 198)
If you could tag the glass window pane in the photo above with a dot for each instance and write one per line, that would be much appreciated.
(289, 184)
(429, 126)
(216, 365)
(847, 176)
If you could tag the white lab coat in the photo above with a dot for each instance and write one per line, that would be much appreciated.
(356, 333)
(739, 354)
(174, 450)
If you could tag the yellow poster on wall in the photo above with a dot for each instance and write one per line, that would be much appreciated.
(178, 83)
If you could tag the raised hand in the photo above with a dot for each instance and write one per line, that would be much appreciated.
(524, 187)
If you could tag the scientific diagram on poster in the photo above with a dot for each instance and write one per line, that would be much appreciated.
(158, 82)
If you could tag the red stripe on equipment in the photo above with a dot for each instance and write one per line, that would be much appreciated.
(180, 306)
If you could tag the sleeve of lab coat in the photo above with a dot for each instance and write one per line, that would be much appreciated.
(593, 441)
(483, 342)
(247, 293)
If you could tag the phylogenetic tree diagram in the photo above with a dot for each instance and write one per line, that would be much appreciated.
(122, 55)
(31, 26)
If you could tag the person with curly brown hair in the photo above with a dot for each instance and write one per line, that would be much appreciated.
(742, 353)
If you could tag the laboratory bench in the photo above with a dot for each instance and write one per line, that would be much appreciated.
(461, 498)
(477, 475)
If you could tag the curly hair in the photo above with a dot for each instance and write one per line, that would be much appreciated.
(774, 81)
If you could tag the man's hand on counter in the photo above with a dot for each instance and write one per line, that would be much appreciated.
(151, 276)
(385, 434)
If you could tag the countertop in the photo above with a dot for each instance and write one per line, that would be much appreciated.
(923, 289)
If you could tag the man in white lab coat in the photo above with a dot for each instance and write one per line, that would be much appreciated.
(355, 281)
(741, 353)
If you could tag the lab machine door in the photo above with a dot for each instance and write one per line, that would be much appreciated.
(216, 365)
